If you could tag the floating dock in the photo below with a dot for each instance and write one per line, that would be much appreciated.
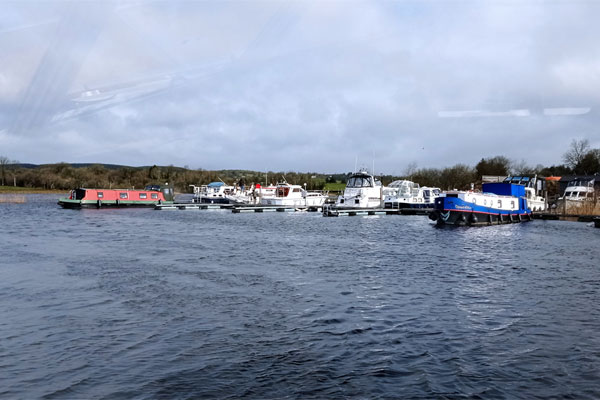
(352, 212)
(236, 208)
(193, 206)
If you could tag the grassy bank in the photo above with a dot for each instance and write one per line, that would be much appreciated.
(22, 190)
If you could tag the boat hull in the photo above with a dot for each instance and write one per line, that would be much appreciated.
(214, 200)
(69, 203)
(474, 218)
(395, 204)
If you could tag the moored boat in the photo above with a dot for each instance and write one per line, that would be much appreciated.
(213, 193)
(294, 196)
(362, 191)
(148, 197)
(498, 203)
(407, 194)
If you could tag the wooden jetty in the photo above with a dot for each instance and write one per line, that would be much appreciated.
(564, 217)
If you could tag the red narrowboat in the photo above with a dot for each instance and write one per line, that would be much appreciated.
(149, 197)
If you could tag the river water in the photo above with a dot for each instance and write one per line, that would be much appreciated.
(138, 303)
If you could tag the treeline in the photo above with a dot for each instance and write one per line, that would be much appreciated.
(65, 176)
(580, 159)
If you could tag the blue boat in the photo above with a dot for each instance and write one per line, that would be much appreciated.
(498, 203)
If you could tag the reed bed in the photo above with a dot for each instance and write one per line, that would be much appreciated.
(13, 198)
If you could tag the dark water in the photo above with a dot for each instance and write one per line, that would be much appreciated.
(209, 304)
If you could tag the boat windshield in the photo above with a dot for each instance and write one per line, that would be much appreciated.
(358, 182)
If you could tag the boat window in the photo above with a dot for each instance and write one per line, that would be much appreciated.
(282, 191)
(499, 203)
(122, 195)
(296, 190)
(474, 200)
(143, 196)
(154, 195)
(512, 204)
(100, 195)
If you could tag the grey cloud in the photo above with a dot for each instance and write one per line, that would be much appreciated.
(308, 86)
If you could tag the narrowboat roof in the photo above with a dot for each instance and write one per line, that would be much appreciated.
(569, 178)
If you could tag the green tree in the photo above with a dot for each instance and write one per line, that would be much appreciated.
(498, 166)
(589, 163)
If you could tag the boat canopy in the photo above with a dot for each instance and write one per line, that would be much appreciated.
(215, 184)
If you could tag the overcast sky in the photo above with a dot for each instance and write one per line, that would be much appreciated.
(298, 86)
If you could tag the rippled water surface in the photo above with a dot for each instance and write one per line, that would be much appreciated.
(208, 304)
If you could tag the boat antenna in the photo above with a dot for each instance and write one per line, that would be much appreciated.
(373, 164)
(355, 163)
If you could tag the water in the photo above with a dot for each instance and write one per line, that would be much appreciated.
(109, 304)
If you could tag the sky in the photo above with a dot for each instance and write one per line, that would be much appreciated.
(320, 86)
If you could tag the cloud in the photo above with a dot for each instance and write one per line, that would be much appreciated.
(298, 86)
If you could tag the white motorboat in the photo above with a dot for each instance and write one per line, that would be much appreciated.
(293, 196)
(252, 195)
(407, 194)
(362, 191)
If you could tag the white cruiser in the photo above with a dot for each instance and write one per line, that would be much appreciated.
(362, 191)
(294, 196)
(579, 190)
(250, 196)
(407, 194)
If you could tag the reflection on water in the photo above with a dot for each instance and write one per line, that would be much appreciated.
(209, 304)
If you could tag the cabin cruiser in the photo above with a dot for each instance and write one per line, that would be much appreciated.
(579, 190)
(362, 191)
(252, 195)
(214, 192)
(293, 196)
(407, 194)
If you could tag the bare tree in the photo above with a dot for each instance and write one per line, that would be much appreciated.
(4, 161)
(576, 152)
(410, 169)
